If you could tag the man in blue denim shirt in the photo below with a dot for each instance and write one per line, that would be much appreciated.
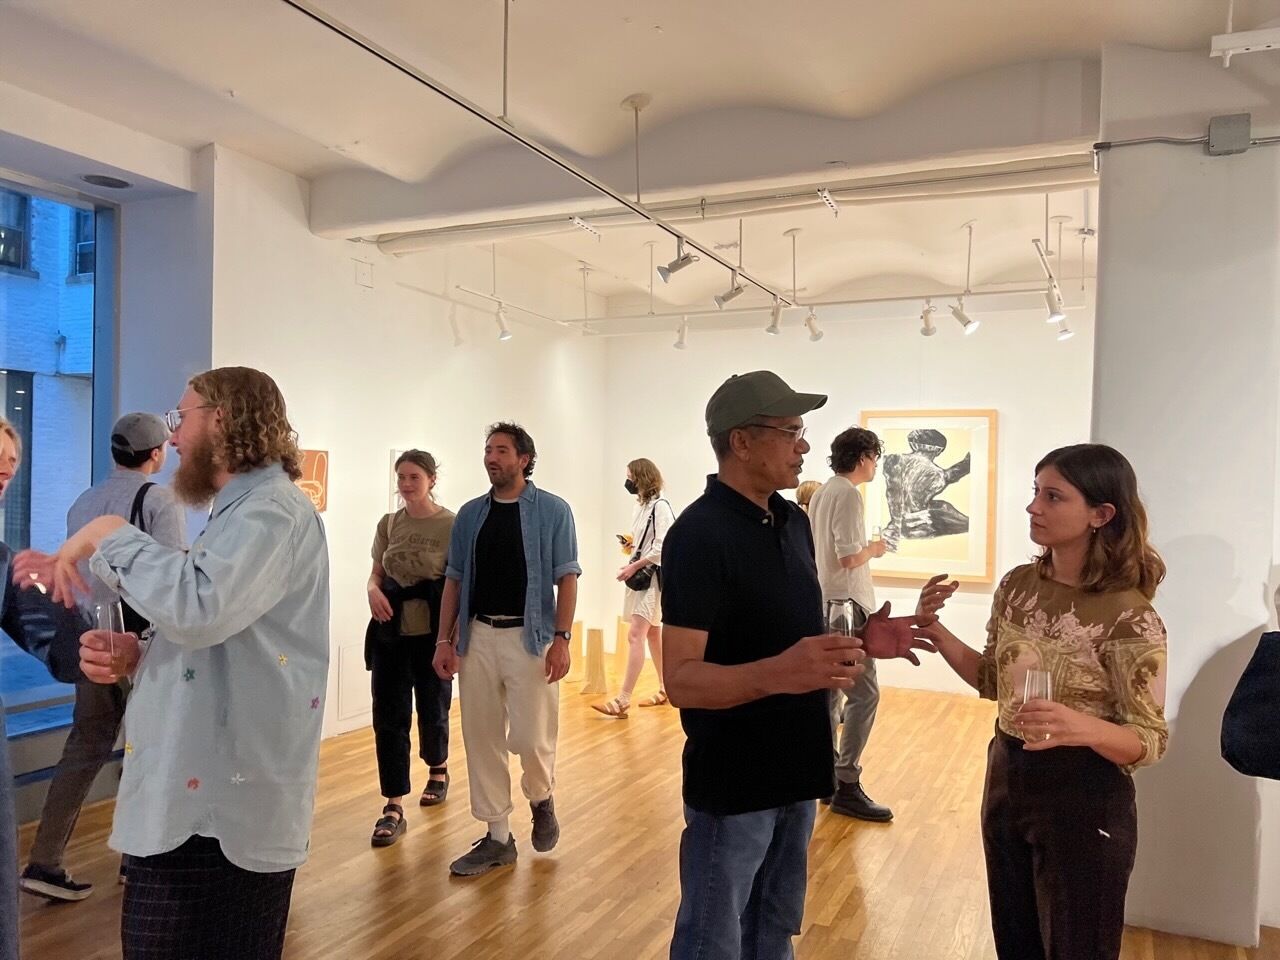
(511, 590)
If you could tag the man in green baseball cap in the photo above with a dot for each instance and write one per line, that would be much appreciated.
(749, 661)
(759, 394)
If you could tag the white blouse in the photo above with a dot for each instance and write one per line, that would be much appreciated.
(651, 549)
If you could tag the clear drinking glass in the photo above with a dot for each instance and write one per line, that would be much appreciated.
(1037, 685)
(840, 617)
(110, 618)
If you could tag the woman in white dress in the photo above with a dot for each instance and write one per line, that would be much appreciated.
(642, 608)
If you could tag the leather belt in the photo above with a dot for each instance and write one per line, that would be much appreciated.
(500, 623)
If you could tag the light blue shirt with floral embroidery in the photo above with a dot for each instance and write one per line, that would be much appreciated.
(222, 731)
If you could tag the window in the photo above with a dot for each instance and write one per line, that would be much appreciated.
(15, 227)
(82, 243)
(47, 383)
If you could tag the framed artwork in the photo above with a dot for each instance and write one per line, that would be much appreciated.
(315, 477)
(934, 496)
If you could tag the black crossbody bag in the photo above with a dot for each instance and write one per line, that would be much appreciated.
(642, 578)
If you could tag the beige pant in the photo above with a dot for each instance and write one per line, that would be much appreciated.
(507, 707)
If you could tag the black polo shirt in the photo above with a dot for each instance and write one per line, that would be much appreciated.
(748, 578)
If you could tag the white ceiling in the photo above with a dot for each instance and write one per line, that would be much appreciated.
(309, 102)
(259, 77)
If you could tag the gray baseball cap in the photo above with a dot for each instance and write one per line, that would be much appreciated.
(138, 432)
(761, 393)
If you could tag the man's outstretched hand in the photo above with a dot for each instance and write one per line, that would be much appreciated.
(888, 638)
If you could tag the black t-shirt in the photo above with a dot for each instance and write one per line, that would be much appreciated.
(748, 578)
(501, 576)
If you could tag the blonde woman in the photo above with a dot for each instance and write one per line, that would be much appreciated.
(805, 492)
(643, 607)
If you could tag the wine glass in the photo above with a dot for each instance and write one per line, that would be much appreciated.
(110, 619)
(1037, 685)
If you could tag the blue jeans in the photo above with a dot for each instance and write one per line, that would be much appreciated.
(742, 883)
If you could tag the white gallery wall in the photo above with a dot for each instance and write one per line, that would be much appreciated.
(1186, 374)
(366, 370)
(1014, 364)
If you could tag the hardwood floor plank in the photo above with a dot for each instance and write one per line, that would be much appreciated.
(915, 888)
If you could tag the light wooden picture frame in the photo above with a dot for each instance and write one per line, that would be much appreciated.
(934, 494)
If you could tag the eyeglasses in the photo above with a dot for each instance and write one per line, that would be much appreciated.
(173, 419)
(797, 433)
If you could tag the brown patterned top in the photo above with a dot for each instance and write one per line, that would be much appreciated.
(1106, 652)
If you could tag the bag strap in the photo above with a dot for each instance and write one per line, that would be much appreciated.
(651, 525)
(135, 512)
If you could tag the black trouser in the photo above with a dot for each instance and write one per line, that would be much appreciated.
(192, 903)
(401, 668)
(1060, 829)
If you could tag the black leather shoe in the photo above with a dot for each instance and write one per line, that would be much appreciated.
(852, 801)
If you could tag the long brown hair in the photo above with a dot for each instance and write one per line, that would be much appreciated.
(647, 477)
(255, 424)
(1119, 557)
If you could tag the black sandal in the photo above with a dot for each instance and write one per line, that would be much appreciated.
(395, 826)
(436, 786)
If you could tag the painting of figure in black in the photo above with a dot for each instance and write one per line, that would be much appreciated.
(913, 484)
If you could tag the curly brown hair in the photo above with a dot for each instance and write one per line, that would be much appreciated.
(255, 425)
(1120, 556)
(647, 477)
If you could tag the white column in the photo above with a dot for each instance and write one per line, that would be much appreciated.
(1185, 386)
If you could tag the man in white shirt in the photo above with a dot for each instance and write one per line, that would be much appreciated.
(843, 553)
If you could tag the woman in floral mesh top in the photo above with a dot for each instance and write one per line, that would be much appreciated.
(1059, 825)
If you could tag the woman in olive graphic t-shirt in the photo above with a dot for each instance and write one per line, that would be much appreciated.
(410, 548)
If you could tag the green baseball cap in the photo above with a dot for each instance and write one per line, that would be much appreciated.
(761, 393)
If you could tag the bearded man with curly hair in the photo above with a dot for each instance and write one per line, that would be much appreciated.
(222, 731)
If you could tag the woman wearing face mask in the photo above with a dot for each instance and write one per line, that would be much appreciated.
(410, 548)
(1059, 825)
(642, 608)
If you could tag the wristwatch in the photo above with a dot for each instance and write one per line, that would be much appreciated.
(562, 633)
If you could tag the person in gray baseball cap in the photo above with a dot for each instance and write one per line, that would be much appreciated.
(750, 662)
(138, 443)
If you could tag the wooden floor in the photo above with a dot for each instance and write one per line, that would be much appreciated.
(911, 889)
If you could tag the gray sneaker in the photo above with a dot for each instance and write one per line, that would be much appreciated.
(546, 828)
(486, 853)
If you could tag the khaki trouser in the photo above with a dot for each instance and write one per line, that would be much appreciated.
(507, 707)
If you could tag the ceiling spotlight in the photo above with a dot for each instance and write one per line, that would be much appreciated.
(811, 322)
(682, 334)
(1064, 331)
(1053, 300)
(927, 329)
(681, 261)
(965, 321)
(735, 290)
(583, 225)
(775, 319)
(829, 200)
(504, 333)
